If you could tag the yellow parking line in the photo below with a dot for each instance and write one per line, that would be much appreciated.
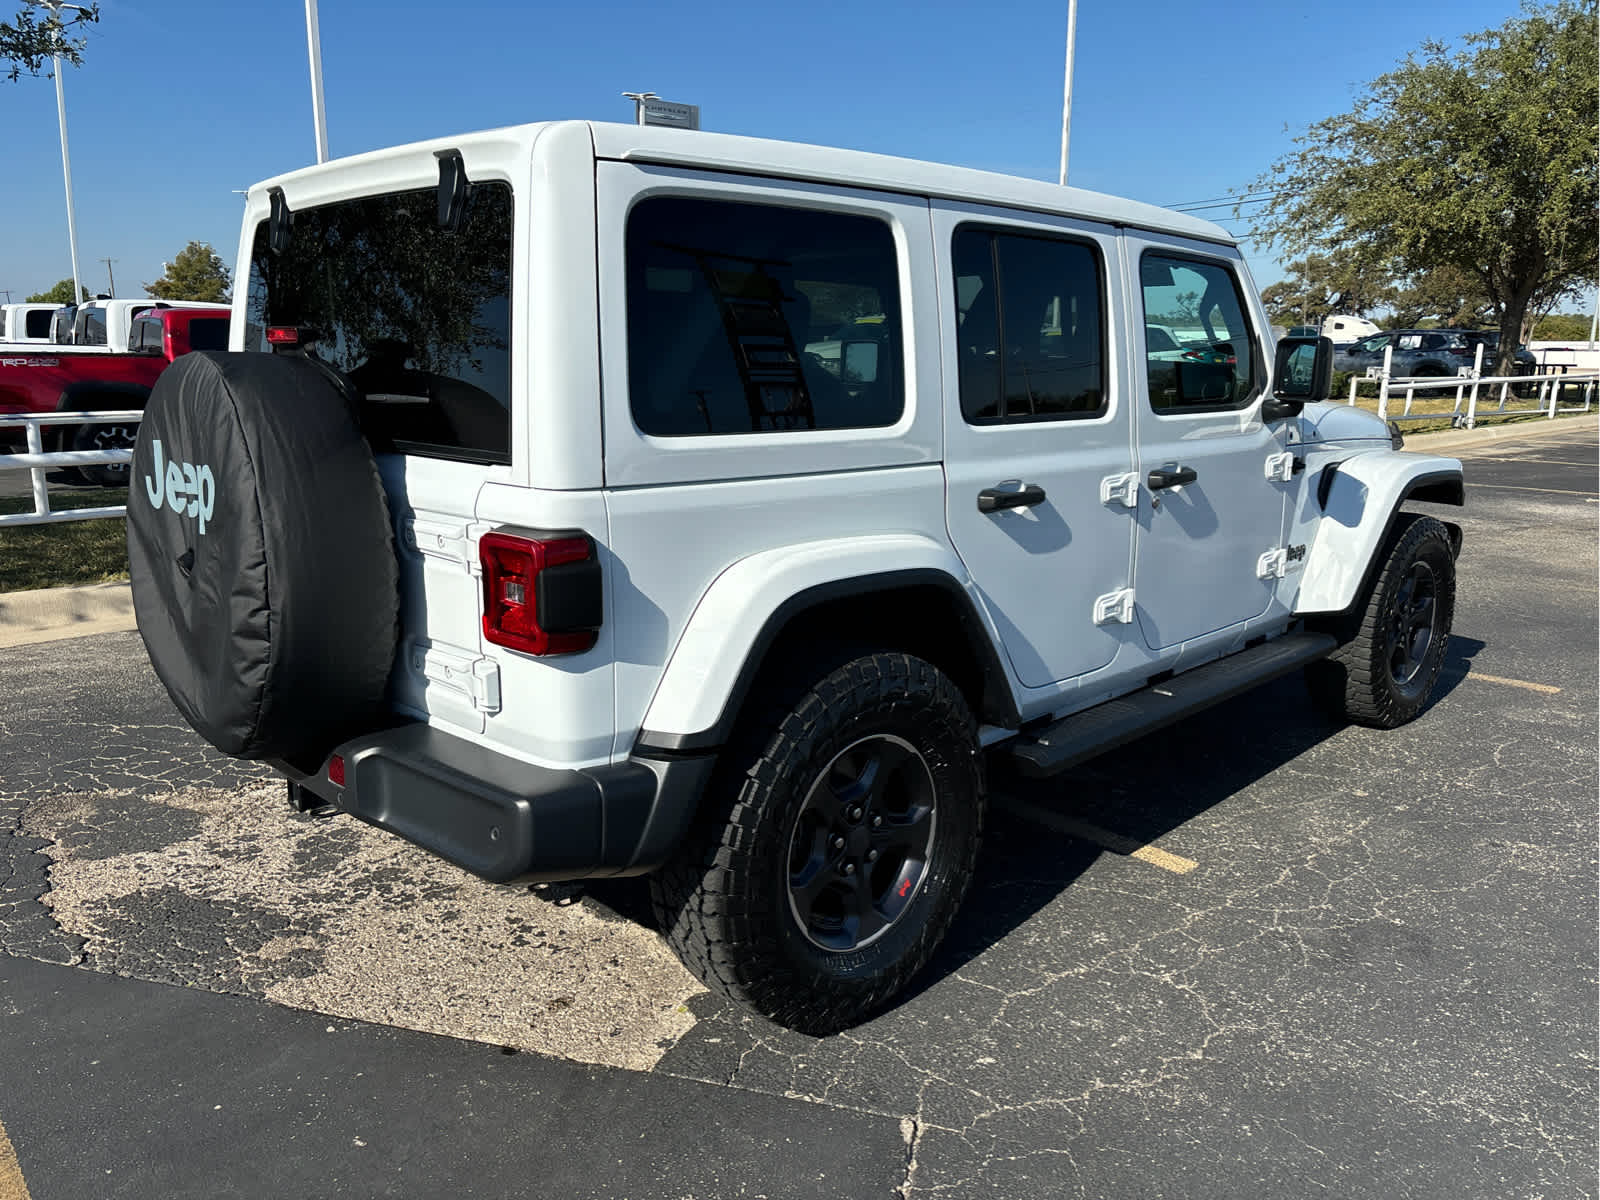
(1546, 688)
(12, 1185)
(1104, 838)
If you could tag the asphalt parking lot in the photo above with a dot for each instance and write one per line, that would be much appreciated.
(1254, 956)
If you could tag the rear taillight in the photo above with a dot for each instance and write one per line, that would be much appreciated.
(541, 592)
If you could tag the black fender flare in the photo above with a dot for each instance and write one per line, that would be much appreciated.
(998, 706)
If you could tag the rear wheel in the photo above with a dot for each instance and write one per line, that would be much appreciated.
(1393, 645)
(106, 437)
(839, 838)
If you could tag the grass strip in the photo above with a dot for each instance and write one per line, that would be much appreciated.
(64, 555)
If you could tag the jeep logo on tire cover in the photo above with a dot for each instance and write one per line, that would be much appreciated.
(185, 487)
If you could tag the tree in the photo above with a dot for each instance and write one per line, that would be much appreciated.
(1319, 285)
(28, 42)
(1483, 160)
(60, 294)
(1446, 296)
(197, 273)
(1562, 327)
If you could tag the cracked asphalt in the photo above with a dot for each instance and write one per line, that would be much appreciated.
(1377, 977)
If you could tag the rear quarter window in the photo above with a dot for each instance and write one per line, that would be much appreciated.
(756, 318)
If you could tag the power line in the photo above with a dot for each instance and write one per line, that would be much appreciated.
(1225, 204)
(1225, 201)
(1215, 199)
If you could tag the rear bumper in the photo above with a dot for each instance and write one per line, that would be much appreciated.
(504, 819)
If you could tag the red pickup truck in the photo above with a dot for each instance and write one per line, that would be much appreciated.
(78, 379)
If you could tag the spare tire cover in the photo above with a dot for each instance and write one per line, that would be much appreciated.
(261, 553)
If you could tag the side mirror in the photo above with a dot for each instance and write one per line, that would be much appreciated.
(1302, 374)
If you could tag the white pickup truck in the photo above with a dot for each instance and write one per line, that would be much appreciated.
(104, 325)
(26, 324)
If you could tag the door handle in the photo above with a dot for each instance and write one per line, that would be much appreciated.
(993, 499)
(1164, 477)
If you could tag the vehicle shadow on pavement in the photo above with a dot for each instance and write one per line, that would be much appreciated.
(1138, 794)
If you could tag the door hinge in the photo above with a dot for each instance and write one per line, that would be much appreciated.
(1114, 607)
(1275, 564)
(446, 540)
(1122, 489)
(474, 678)
(1280, 467)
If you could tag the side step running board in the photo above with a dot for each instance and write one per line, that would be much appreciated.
(1083, 735)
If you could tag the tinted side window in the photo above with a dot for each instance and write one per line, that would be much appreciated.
(1201, 303)
(94, 328)
(208, 333)
(37, 323)
(1031, 331)
(146, 335)
(751, 318)
(417, 316)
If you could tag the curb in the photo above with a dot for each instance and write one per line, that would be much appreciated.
(1533, 427)
(48, 614)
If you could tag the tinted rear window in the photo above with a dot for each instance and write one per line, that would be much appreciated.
(417, 316)
(208, 333)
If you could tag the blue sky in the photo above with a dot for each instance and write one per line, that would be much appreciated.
(181, 101)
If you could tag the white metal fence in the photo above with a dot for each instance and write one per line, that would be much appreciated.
(37, 462)
(1472, 386)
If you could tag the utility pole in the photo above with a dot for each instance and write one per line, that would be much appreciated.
(109, 275)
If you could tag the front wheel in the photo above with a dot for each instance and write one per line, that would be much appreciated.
(1393, 645)
(839, 838)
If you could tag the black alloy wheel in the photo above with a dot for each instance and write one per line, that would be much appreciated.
(106, 437)
(1411, 624)
(859, 848)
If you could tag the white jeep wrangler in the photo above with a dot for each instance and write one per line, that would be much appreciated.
(584, 499)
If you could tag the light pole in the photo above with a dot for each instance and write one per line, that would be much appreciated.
(319, 113)
(638, 99)
(54, 7)
(1066, 96)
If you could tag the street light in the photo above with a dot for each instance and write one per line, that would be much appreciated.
(1066, 90)
(319, 113)
(54, 7)
(638, 99)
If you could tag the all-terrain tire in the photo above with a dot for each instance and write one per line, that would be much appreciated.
(726, 904)
(1392, 644)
